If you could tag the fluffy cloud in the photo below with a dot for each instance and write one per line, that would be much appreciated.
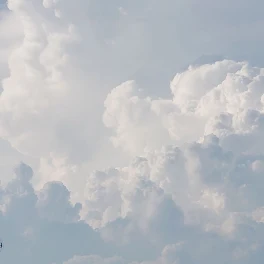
(71, 55)
(215, 196)
(212, 176)
(43, 71)
(193, 190)
(223, 98)
(53, 203)
(169, 207)
(41, 227)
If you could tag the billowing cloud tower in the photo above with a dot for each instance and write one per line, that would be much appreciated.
(113, 151)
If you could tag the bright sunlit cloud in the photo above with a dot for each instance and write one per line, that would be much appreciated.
(131, 132)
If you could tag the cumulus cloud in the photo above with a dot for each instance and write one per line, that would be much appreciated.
(167, 207)
(223, 98)
(58, 79)
(85, 89)
(53, 203)
(213, 188)
(75, 53)
(212, 176)
(68, 58)
(41, 229)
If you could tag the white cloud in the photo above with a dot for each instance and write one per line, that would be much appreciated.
(193, 192)
(192, 225)
(208, 195)
(213, 182)
(223, 98)
(53, 203)
(31, 226)
(56, 89)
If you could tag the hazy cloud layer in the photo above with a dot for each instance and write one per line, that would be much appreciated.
(134, 157)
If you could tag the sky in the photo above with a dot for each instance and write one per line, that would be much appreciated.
(131, 132)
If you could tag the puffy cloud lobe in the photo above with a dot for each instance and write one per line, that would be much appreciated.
(70, 55)
(53, 203)
(215, 181)
(223, 98)
(38, 98)
(124, 193)
(127, 112)
(35, 79)
(169, 199)
(218, 198)
(60, 70)
(166, 197)
(33, 233)
(9, 39)
(69, 58)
